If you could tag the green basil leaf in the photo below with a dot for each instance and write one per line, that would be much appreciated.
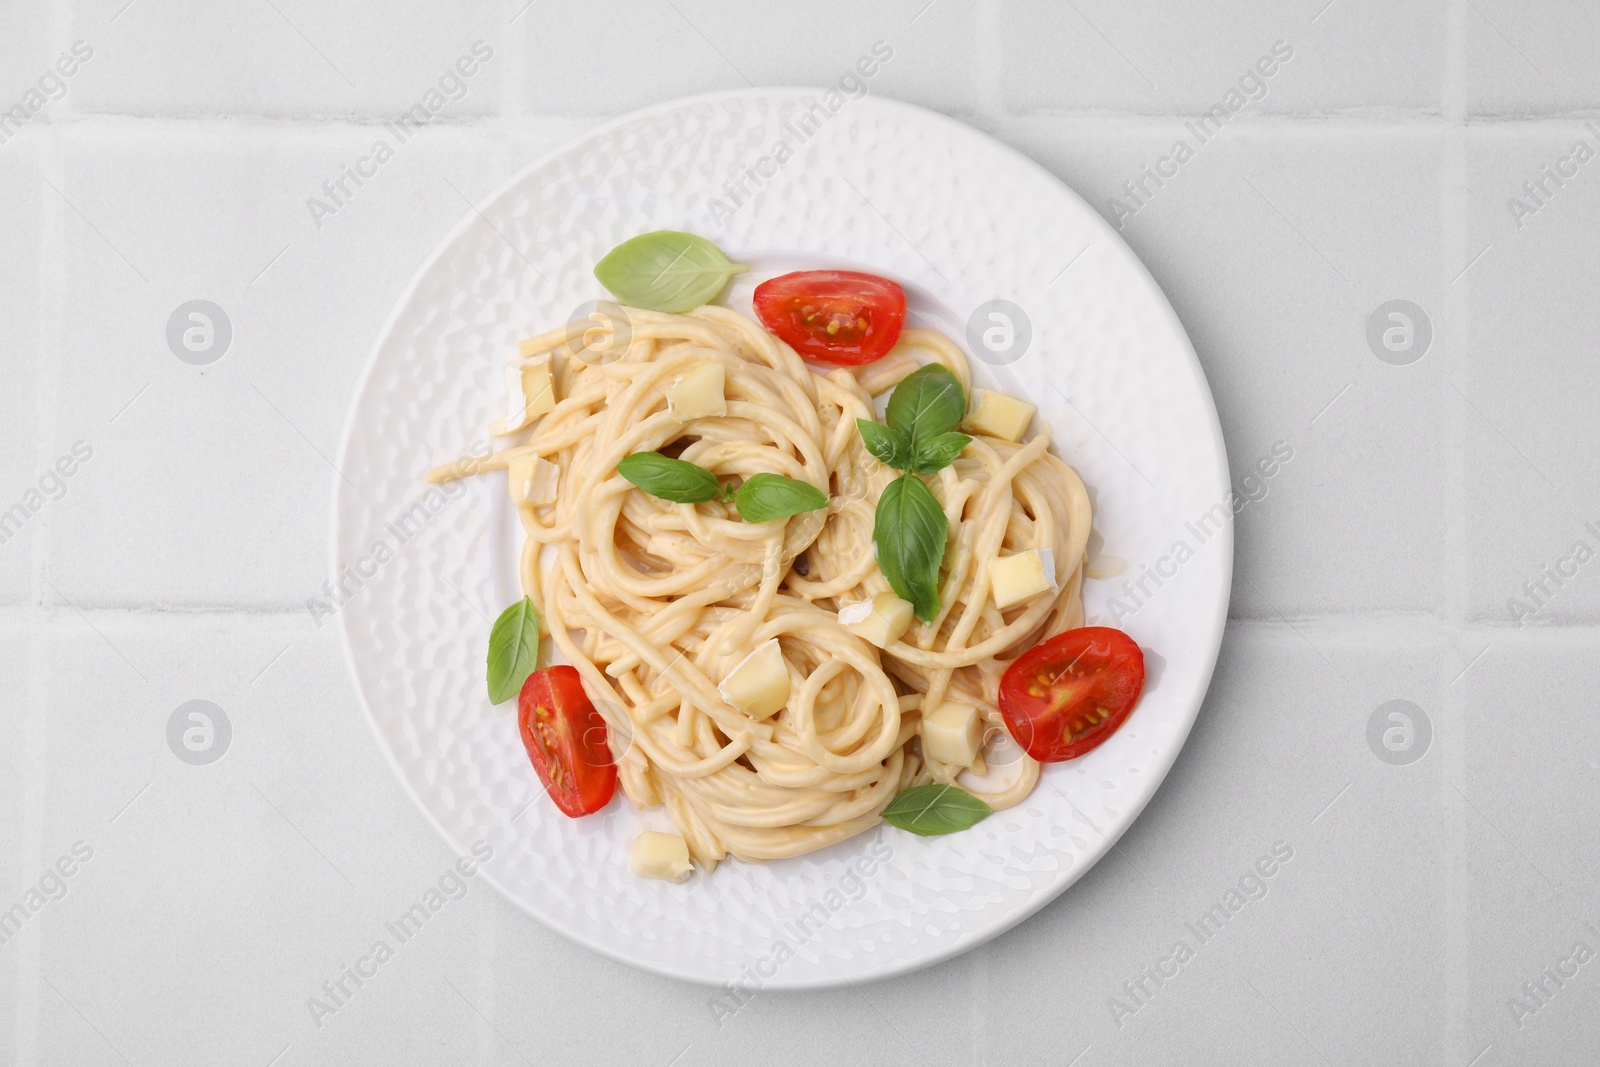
(929, 402)
(938, 453)
(909, 534)
(765, 497)
(513, 650)
(930, 810)
(890, 446)
(666, 271)
(676, 480)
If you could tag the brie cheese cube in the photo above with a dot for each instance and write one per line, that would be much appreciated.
(532, 480)
(1023, 576)
(698, 393)
(658, 855)
(758, 685)
(998, 415)
(952, 733)
(532, 393)
(883, 620)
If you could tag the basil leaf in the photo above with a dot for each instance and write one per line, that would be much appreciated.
(676, 480)
(930, 810)
(666, 271)
(929, 402)
(765, 497)
(938, 453)
(909, 534)
(890, 446)
(513, 650)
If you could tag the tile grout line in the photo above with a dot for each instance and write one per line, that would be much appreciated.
(30, 781)
(31, 784)
(1454, 206)
(986, 85)
(49, 158)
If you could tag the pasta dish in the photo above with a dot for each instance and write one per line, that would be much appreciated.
(776, 636)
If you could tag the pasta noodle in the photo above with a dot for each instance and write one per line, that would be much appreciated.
(654, 602)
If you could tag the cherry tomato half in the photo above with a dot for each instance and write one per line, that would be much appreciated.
(833, 316)
(566, 739)
(1065, 696)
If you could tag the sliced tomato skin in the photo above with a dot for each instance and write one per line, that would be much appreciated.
(866, 311)
(1065, 696)
(566, 740)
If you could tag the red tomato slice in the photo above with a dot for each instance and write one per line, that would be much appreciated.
(1065, 696)
(566, 739)
(833, 316)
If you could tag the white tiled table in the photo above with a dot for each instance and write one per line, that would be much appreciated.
(178, 559)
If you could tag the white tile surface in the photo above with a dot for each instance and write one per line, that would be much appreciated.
(1520, 786)
(1530, 58)
(1531, 487)
(653, 52)
(27, 49)
(18, 815)
(1281, 736)
(1155, 58)
(1532, 895)
(231, 227)
(1377, 565)
(1264, 242)
(263, 875)
(22, 304)
(285, 58)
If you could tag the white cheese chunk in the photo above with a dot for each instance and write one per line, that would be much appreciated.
(1023, 576)
(532, 393)
(532, 480)
(855, 612)
(698, 393)
(998, 415)
(883, 620)
(952, 733)
(658, 855)
(758, 685)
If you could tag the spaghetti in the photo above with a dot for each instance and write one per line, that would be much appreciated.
(655, 602)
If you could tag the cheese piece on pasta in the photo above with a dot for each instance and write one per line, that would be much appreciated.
(998, 415)
(698, 393)
(952, 733)
(758, 685)
(883, 620)
(658, 855)
(532, 480)
(532, 393)
(1023, 576)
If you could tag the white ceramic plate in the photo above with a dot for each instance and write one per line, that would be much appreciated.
(959, 220)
